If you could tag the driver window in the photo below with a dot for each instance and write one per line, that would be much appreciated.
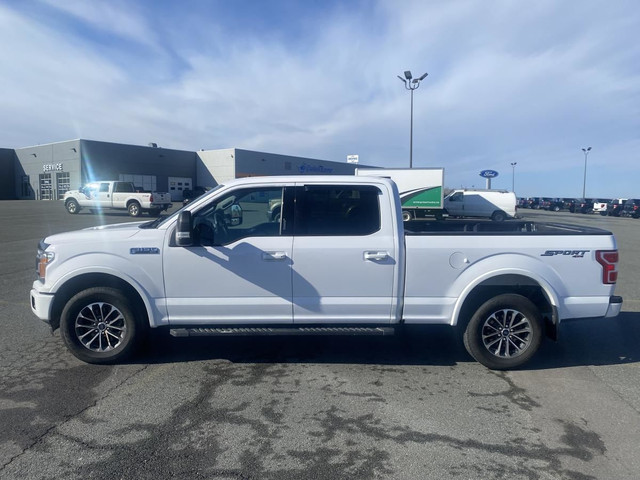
(242, 213)
(456, 197)
(91, 189)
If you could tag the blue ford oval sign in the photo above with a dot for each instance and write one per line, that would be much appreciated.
(488, 173)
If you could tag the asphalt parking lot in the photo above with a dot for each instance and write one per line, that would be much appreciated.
(324, 408)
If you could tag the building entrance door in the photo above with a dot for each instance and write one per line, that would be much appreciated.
(46, 187)
(63, 183)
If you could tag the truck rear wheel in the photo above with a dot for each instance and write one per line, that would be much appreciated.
(72, 206)
(505, 332)
(98, 326)
(499, 216)
(134, 209)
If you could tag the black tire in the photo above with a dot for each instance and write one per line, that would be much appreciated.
(98, 325)
(134, 209)
(72, 206)
(505, 332)
(154, 212)
(407, 216)
(499, 216)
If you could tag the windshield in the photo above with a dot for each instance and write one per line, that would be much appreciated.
(167, 218)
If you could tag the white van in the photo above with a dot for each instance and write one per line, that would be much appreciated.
(498, 205)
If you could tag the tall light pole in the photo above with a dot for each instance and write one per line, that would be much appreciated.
(411, 84)
(584, 183)
(513, 176)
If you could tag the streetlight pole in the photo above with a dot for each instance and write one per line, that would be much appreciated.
(584, 183)
(513, 176)
(411, 84)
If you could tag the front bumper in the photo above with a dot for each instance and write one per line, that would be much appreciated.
(41, 304)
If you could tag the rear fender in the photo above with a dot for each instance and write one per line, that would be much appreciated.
(506, 266)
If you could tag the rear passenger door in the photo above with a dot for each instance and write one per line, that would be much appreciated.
(344, 256)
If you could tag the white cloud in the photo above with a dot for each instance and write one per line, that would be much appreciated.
(121, 18)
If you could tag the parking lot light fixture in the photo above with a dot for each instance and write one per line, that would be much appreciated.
(513, 176)
(584, 182)
(411, 84)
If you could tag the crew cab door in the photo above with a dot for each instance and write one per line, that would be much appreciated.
(345, 256)
(239, 268)
(103, 196)
(121, 191)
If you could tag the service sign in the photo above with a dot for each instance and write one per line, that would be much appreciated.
(488, 173)
(52, 167)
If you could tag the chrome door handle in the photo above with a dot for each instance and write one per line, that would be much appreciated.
(269, 256)
(376, 255)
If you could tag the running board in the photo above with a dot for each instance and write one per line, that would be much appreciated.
(262, 331)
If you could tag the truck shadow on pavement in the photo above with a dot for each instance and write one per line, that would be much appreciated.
(434, 346)
(596, 341)
(582, 343)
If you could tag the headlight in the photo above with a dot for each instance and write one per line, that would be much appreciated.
(43, 258)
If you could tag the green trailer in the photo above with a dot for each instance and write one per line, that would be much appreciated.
(421, 189)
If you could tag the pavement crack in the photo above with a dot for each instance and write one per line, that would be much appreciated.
(41, 437)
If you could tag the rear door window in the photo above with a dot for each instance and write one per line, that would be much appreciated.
(337, 210)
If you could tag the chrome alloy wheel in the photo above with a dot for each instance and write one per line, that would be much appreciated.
(100, 327)
(506, 333)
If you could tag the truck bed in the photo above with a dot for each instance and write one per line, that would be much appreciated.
(488, 227)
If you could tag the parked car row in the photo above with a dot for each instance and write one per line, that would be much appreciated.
(616, 207)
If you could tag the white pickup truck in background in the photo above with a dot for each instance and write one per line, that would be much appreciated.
(116, 195)
(338, 259)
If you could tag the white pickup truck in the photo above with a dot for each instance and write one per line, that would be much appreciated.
(116, 195)
(337, 260)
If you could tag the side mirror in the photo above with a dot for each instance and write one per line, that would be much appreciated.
(236, 215)
(184, 230)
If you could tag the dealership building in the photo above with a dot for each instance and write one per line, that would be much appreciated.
(45, 172)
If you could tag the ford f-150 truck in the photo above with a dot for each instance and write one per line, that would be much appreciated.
(116, 195)
(337, 260)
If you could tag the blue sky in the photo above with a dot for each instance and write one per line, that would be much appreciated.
(509, 81)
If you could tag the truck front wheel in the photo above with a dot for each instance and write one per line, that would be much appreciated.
(72, 206)
(134, 209)
(98, 326)
(505, 332)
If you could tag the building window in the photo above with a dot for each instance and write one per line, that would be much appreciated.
(26, 187)
(144, 182)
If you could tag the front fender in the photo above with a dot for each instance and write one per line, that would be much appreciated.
(146, 281)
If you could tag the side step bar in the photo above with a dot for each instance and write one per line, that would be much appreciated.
(261, 331)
